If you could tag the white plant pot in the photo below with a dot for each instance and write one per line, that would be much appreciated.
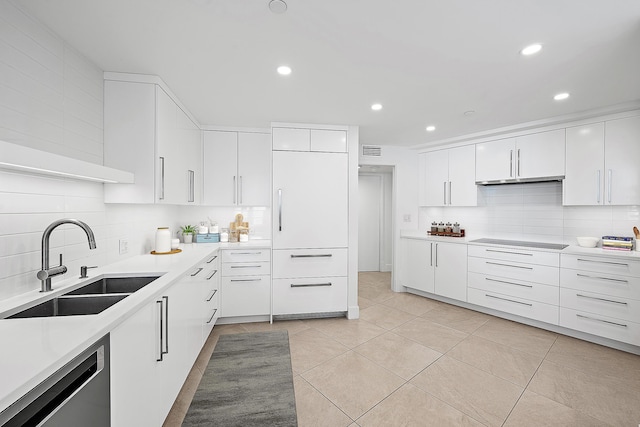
(188, 238)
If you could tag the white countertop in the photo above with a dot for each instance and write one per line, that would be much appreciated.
(33, 349)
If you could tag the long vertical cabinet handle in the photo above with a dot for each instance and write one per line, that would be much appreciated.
(518, 164)
(235, 190)
(279, 209)
(161, 353)
(240, 190)
(192, 185)
(449, 193)
(166, 323)
(510, 163)
(431, 256)
(598, 187)
(444, 192)
(609, 184)
(161, 178)
(436, 255)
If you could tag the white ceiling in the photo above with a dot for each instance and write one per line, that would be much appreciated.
(426, 61)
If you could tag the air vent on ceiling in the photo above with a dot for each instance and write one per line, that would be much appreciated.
(371, 151)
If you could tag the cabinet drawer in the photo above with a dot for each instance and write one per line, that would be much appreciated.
(603, 283)
(246, 255)
(309, 263)
(531, 309)
(289, 139)
(246, 269)
(515, 270)
(615, 329)
(517, 288)
(245, 296)
(624, 267)
(518, 255)
(310, 295)
(605, 305)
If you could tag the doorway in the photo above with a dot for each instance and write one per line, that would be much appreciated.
(375, 186)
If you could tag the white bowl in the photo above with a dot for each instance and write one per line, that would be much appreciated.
(588, 242)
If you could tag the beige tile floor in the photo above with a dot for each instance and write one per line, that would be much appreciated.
(412, 361)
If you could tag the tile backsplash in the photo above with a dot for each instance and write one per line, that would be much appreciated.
(533, 211)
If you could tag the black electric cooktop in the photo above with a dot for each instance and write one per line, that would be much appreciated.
(537, 245)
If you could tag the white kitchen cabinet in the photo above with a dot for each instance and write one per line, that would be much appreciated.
(318, 140)
(600, 163)
(310, 200)
(449, 177)
(435, 267)
(147, 133)
(237, 168)
(246, 282)
(539, 156)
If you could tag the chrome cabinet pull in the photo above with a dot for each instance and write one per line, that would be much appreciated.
(197, 272)
(603, 262)
(212, 274)
(235, 190)
(279, 209)
(431, 255)
(610, 177)
(312, 256)
(449, 193)
(510, 163)
(582, 316)
(246, 280)
(509, 252)
(436, 254)
(161, 178)
(212, 259)
(508, 283)
(159, 359)
(598, 188)
(518, 167)
(602, 299)
(245, 266)
(602, 278)
(507, 299)
(215, 310)
(310, 285)
(240, 190)
(444, 192)
(166, 323)
(507, 265)
(192, 192)
(212, 294)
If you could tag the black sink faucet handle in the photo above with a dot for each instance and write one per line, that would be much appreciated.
(83, 271)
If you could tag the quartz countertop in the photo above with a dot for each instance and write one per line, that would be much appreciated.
(34, 348)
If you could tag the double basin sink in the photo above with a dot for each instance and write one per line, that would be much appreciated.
(92, 298)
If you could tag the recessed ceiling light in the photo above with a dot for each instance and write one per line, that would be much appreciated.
(376, 107)
(431, 128)
(561, 96)
(531, 49)
(284, 70)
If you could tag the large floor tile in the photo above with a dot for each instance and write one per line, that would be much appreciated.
(315, 410)
(521, 337)
(412, 304)
(411, 407)
(402, 356)
(595, 359)
(457, 317)
(291, 326)
(353, 383)
(480, 395)
(350, 333)
(500, 360)
(533, 410)
(310, 347)
(365, 303)
(375, 294)
(385, 317)
(433, 335)
(601, 397)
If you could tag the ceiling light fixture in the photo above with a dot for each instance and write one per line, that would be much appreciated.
(277, 6)
(284, 70)
(561, 96)
(431, 128)
(376, 107)
(531, 49)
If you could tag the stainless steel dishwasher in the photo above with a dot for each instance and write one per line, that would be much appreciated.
(75, 395)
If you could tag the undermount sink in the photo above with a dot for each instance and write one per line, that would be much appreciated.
(92, 298)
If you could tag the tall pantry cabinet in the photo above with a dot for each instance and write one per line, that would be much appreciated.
(311, 223)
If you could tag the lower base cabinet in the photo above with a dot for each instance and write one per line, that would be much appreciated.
(246, 282)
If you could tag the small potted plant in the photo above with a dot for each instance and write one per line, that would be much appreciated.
(187, 233)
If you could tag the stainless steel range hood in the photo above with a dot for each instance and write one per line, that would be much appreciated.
(520, 180)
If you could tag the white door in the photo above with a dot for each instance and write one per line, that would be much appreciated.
(437, 176)
(495, 160)
(254, 169)
(310, 200)
(584, 175)
(622, 150)
(220, 168)
(540, 154)
(370, 202)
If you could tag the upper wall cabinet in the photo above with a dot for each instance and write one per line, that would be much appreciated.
(601, 163)
(535, 157)
(447, 177)
(320, 140)
(147, 133)
(237, 169)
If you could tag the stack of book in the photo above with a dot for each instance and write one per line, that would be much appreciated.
(617, 243)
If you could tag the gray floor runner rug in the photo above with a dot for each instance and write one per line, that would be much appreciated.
(248, 382)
